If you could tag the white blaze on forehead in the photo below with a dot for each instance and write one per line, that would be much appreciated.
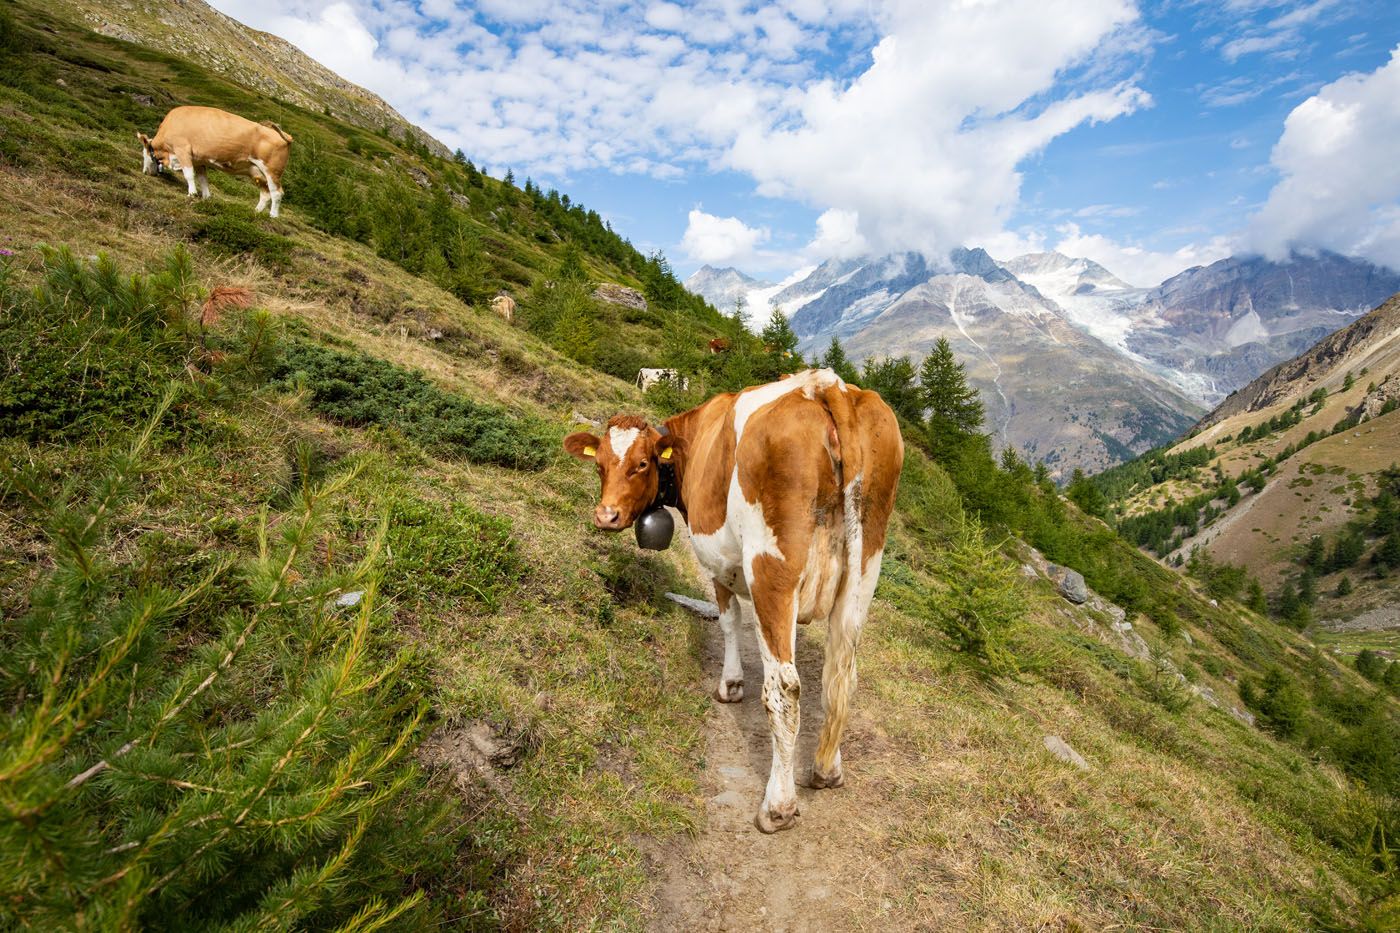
(622, 440)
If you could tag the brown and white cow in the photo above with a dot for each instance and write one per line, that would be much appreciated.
(787, 489)
(193, 140)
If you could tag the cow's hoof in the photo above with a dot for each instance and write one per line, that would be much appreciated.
(729, 691)
(821, 781)
(773, 819)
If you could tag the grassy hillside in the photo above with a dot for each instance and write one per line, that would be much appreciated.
(1293, 480)
(301, 605)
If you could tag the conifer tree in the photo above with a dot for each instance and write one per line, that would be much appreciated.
(1084, 493)
(835, 359)
(894, 378)
(1256, 599)
(954, 410)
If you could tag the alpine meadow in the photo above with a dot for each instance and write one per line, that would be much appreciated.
(311, 622)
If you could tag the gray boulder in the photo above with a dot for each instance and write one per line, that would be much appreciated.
(1070, 584)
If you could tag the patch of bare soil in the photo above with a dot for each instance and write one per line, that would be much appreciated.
(831, 871)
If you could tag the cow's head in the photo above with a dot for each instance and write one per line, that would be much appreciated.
(153, 160)
(628, 457)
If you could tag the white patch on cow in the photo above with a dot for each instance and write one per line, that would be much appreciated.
(782, 691)
(622, 440)
(752, 400)
(189, 178)
(733, 672)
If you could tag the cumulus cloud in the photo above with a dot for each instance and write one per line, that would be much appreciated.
(1340, 178)
(1137, 265)
(721, 240)
(919, 145)
(925, 146)
(838, 236)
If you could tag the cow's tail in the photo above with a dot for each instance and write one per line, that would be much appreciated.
(847, 615)
(280, 132)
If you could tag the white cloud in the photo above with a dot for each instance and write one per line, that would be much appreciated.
(925, 146)
(838, 236)
(721, 240)
(1340, 184)
(921, 149)
(1135, 264)
(1281, 35)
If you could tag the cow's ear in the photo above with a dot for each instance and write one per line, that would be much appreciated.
(582, 445)
(670, 449)
(145, 143)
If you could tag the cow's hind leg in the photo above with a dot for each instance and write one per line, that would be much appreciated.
(774, 610)
(731, 680)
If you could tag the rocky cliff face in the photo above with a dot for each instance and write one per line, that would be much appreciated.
(256, 59)
(1371, 343)
(1219, 326)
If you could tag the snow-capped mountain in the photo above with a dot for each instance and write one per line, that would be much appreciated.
(1074, 364)
(1219, 326)
(724, 287)
(1051, 390)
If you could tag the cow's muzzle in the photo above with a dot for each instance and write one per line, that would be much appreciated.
(608, 518)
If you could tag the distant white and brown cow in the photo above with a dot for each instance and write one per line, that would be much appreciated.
(646, 378)
(787, 489)
(193, 140)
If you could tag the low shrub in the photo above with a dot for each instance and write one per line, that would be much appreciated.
(231, 752)
(87, 350)
(236, 229)
(983, 601)
(360, 390)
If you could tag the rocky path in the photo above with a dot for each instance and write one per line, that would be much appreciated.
(827, 873)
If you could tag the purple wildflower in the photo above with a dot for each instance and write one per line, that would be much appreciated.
(6, 252)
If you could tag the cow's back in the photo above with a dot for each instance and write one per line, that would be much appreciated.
(214, 134)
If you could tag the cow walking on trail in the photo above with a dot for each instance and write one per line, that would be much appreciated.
(787, 489)
(193, 140)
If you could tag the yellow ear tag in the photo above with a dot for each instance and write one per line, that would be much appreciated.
(589, 451)
(666, 454)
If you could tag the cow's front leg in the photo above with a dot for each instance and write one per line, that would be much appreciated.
(201, 177)
(774, 609)
(189, 180)
(731, 680)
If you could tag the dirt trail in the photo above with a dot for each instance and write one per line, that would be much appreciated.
(829, 872)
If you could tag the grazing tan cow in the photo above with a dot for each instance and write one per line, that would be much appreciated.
(193, 140)
(787, 489)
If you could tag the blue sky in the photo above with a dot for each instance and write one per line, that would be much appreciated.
(1148, 136)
